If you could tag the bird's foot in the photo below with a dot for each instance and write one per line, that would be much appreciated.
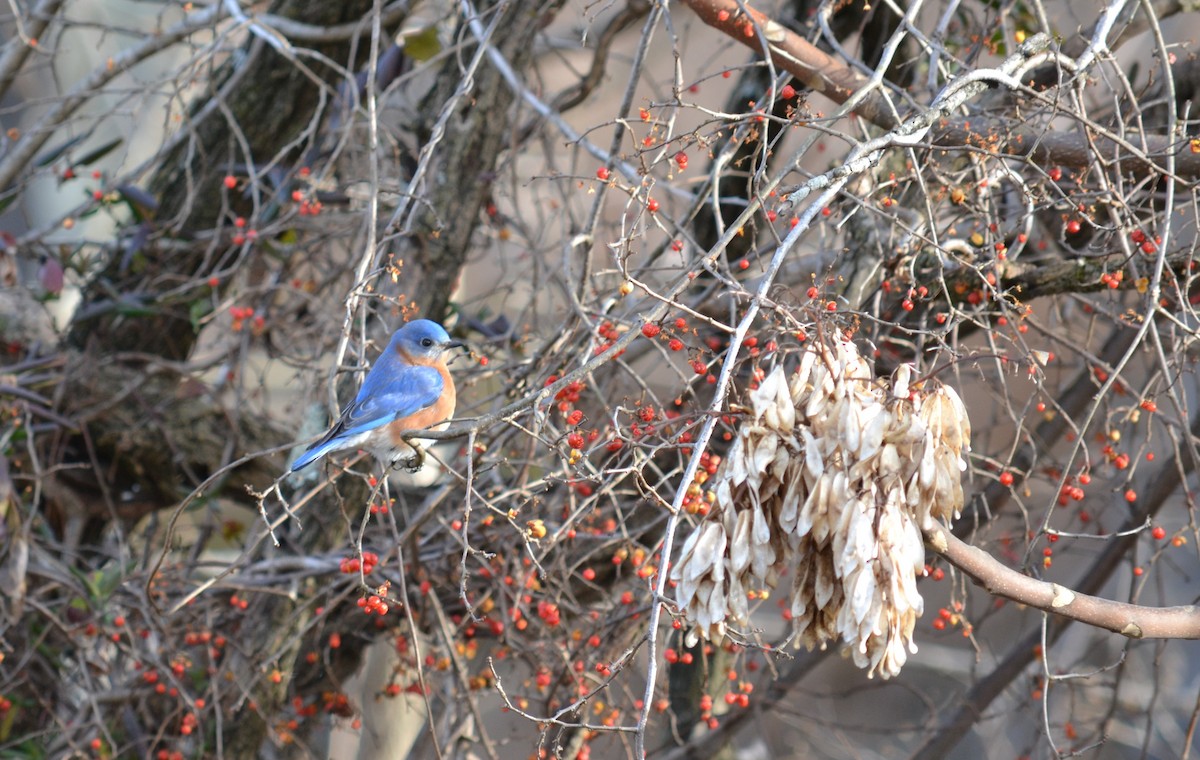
(417, 460)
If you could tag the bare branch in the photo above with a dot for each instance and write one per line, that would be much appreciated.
(1132, 620)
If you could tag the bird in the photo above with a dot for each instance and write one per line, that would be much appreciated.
(408, 388)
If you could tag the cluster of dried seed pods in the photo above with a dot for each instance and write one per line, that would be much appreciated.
(832, 476)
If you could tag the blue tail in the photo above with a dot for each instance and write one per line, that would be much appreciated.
(316, 452)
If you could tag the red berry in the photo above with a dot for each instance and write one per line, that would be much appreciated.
(681, 159)
(1055, 174)
(602, 174)
(650, 330)
(1159, 533)
(652, 205)
(230, 181)
(1006, 478)
(788, 92)
(1073, 226)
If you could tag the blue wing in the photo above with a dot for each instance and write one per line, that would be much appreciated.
(392, 390)
(389, 396)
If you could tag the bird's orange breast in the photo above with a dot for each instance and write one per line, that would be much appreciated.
(438, 412)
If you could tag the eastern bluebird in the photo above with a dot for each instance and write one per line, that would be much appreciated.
(409, 388)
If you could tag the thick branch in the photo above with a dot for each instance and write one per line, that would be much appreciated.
(839, 82)
(789, 51)
(18, 49)
(1132, 620)
(976, 701)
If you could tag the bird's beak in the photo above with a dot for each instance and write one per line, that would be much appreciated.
(456, 344)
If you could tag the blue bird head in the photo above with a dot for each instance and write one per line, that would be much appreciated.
(423, 340)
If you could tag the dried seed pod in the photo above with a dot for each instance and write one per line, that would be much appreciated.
(835, 475)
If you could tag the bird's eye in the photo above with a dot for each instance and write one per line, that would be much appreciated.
(426, 342)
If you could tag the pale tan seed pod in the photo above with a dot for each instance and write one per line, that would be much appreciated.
(834, 475)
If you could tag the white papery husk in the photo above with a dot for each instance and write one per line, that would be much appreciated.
(834, 474)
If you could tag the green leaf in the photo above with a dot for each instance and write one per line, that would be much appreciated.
(53, 154)
(999, 47)
(197, 311)
(423, 44)
(93, 156)
(102, 584)
(7, 200)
